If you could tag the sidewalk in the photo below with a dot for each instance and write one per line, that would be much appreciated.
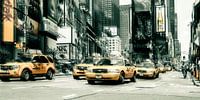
(59, 73)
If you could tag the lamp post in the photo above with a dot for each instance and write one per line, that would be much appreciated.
(155, 58)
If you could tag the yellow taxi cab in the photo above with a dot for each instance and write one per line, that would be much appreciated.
(80, 69)
(111, 69)
(147, 69)
(162, 68)
(27, 67)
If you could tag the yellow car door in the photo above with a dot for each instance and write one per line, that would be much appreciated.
(129, 71)
(44, 64)
(36, 65)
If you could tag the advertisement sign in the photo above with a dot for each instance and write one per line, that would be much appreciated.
(50, 26)
(65, 35)
(111, 29)
(62, 51)
(32, 25)
(160, 19)
(51, 9)
(8, 21)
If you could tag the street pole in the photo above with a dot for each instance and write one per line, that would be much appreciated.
(25, 31)
(153, 31)
(132, 28)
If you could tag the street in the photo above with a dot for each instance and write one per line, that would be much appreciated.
(170, 85)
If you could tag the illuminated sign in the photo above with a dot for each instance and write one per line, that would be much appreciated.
(50, 27)
(160, 19)
(8, 21)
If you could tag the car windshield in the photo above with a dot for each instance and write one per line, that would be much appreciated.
(110, 62)
(88, 61)
(22, 59)
(148, 65)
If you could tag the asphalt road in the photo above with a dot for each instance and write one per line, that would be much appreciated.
(169, 86)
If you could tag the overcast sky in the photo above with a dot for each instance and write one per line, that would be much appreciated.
(184, 11)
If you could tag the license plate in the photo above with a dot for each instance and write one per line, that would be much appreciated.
(141, 74)
(98, 76)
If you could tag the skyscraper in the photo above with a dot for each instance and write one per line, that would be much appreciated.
(110, 13)
(125, 34)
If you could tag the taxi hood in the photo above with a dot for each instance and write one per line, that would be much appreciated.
(85, 65)
(147, 69)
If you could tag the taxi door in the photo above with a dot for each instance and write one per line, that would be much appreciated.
(36, 65)
(129, 70)
(44, 64)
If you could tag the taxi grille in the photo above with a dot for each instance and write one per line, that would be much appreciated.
(100, 70)
(142, 71)
(82, 68)
(6, 67)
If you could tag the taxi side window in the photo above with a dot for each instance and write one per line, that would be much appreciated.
(127, 63)
(50, 59)
(43, 59)
(36, 59)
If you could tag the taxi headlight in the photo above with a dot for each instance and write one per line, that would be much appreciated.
(15, 67)
(151, 71)
(113, 71)
(89, 70)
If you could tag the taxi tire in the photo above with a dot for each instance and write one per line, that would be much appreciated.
(91, 81)
(25, 76)
(49, 74)
(76, 77)
(121, 79)
(157, 76)
(133, 79)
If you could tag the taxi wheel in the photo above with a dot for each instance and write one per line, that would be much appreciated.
(25, 75)
(76, 77)
(49, 74)
(91, 82)
(121, 78)
(154, 75)
(157, 76)
(133, 79)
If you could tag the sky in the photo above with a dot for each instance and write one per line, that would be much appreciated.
(184, 8)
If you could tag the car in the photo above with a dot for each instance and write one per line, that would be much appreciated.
(27, 67)
(147, 69)
(168, 65)
(80, 69)
(107, 69)
(162, 68)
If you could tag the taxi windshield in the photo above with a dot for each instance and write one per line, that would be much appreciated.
(148, 65)
(110, 62)
(88, 61)
(22, 59)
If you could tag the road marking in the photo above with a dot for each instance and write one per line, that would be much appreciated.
(19, 87)
(68, 97)
(100, 90)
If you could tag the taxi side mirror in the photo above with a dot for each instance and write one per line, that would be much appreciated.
(34, 61)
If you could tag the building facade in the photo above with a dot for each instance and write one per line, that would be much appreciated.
(114, 44)
(125, 33)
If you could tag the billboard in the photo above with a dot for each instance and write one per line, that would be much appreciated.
(111, 29)
(8, 21)
(160, 19)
